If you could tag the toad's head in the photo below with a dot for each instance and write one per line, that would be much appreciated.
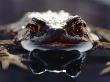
(51, 30)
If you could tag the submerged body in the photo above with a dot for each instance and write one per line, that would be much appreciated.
(56, 41)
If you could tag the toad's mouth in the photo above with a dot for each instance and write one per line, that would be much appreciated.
(81, 46)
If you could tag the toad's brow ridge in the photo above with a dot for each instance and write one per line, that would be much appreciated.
(52, 19)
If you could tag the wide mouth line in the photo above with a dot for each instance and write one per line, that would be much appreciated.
(81, 46)
(59, 44)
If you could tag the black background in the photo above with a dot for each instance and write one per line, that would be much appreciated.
(94, 12)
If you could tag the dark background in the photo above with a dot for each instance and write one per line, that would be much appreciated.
(95, 12)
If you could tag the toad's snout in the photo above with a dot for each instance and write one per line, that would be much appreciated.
(60, 36)
(55, 34)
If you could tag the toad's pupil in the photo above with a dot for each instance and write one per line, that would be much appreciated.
(78, 30)
(35, 28)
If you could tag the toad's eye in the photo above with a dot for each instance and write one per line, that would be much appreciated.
(78, 30)
(32, 28)
(75, 26)
(36, 25)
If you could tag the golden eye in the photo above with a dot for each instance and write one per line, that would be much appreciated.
(33, 28)
(36, 25)
(78, 30)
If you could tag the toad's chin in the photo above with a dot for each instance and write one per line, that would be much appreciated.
(81, 46)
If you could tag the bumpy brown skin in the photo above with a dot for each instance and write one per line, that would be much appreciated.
(7, 58)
